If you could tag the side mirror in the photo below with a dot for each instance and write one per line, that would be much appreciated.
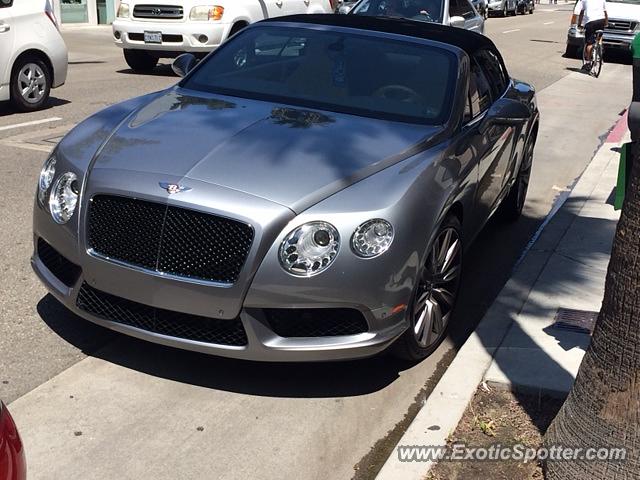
(184, 64)
(505, 111)
(457, 22)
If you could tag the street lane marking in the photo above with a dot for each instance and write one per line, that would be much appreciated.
(548, 23)
(28, 124)
(43, 140)
(511, 31)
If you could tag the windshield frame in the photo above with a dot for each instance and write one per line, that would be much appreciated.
(448, 102)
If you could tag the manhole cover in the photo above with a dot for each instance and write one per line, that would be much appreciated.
(581, 321)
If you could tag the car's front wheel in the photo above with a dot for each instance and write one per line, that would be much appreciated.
(139, 60)
(435, 293)
(30, 84)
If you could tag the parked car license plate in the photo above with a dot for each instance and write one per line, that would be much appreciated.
(152, 37)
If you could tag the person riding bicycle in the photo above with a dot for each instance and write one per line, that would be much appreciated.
(595, 17)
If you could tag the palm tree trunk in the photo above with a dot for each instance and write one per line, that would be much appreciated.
(603, 407)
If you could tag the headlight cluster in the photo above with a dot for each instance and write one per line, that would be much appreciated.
(62, 196)
(311, 248)
(205, 13)
(123, 10)
(372, 238)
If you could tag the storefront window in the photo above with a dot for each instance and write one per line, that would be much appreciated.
(74, 11)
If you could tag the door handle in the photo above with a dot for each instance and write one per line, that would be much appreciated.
(4, 27)
(307, 2)
(279, 4)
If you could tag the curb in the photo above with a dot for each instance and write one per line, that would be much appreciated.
(442, 411)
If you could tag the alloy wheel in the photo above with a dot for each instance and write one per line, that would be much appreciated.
(32, 83)
(437, 288)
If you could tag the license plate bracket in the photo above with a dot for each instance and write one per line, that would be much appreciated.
(152, 37)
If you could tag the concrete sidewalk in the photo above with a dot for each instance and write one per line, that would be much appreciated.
(538, 355)
(516, 345)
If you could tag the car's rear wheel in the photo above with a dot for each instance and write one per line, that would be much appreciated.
(140, 60)
(435, 294)
(514, 202)
(30, 84)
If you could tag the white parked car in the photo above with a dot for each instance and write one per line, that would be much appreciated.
(151, 29)
(33, 55)
(624, 23)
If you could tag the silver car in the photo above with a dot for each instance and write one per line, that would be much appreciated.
(456, 13)
(503, 7)
(306, 192)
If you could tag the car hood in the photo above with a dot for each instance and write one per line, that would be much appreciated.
(291, 156)
(623, 11)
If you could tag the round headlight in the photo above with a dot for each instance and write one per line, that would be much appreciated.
(46, 177)
(64, 197)
(309, 249)
(372, 238)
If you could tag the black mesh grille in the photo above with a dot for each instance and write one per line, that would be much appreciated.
(168, 239)
(57, 264)
(157, 320)
(315, 322)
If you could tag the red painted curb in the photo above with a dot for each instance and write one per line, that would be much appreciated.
(618, 131)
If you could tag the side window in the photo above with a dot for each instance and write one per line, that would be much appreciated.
(479, 91)
(461, 8)
(494, 70)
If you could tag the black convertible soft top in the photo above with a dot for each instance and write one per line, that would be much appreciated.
(466, 40)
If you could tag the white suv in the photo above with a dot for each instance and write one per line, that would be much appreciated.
(33, 55)
(152, 29)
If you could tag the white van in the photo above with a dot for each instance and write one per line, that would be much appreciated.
(150, 29)
(33, 55)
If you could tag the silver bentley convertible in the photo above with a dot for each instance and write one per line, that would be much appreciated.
(306, 192)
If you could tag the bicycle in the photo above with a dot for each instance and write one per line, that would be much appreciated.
(596, 56)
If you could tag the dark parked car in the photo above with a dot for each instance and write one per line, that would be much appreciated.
(305, 192)
(12, 461)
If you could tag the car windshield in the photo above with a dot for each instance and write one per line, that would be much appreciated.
(425, 10)
(363, 75)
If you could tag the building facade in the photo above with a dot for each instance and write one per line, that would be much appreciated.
(88, 12)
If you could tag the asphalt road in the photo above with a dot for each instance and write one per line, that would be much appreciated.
(258, 420)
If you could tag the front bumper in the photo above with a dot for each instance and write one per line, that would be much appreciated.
(177, 37)
(620, 41)
(495, 6)
(183, 297)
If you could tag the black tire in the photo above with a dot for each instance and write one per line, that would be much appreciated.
(407, 346)
(597, 67)
(139, 60)
(512, 205)
(505, 12)
(572, 51)
(236, 28)
(38, 89)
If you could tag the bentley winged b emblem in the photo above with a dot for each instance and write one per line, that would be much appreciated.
(172, 188)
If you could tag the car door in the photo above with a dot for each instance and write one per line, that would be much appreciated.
(7, 39)
(464, 9)
(493, 145)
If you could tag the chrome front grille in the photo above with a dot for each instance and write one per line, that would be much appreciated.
(625, 26)
(171, 12)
